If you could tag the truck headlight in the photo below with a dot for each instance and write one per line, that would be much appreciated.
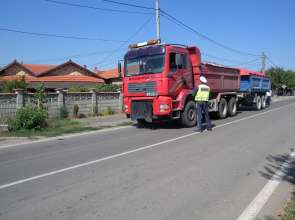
(164, 107)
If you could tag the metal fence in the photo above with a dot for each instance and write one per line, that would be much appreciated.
(89, 103)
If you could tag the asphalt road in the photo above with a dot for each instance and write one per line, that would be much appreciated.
(159, 172)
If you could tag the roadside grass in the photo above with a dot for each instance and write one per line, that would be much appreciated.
(55, 127)
(289, 211)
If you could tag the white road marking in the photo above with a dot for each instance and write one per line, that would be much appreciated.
(130, 152)
(263, 196)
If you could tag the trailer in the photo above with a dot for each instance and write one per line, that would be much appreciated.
(254, 87)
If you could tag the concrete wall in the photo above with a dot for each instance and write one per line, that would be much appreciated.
(90, 103)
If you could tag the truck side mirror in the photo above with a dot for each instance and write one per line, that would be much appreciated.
(119, 69)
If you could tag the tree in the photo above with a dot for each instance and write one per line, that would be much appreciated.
(11, 85)
(280, 77)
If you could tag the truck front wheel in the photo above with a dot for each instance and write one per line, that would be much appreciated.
(189, 116)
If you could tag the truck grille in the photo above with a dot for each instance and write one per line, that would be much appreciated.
(149, 88)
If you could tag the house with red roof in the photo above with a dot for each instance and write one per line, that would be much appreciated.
(110, 76)
(63, 76)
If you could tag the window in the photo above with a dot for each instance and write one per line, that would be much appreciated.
(177, 61)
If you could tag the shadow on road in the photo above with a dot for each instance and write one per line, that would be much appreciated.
(275, 162)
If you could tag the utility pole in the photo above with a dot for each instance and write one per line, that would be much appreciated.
(158, 19)
(263, 62)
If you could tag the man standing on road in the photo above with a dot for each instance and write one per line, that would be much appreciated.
(202, 98)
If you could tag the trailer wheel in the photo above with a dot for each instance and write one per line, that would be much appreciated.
(222, 108)
(232, 106)
(141, 121)
(263, 102)
(258, 103)
(189, 115)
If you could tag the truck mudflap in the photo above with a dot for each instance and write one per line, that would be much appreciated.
(141, 110)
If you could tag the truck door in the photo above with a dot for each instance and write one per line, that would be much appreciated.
(180, 75)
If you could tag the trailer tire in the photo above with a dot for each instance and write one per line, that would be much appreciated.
(258, 103)
(222, 108)
(141, 122)
(189, 115)
(232, 106)
(263, 102)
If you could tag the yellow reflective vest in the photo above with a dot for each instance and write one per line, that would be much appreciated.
(203, 93)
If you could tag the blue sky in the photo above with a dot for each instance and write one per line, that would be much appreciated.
(252, 26)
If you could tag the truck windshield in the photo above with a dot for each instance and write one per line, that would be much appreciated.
(144, 65)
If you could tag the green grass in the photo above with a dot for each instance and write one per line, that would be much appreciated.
(289, 211)
(55, 127)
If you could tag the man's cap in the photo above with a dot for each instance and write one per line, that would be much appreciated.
(203, 79)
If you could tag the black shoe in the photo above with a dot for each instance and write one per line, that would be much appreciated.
(209, 129)
(198, 130)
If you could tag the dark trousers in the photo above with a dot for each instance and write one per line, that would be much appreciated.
(202, 107)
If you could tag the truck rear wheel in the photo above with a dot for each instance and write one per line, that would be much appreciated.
(263, 102)
(189, 115)
(222, 108)
(258, 103)
(232, 106)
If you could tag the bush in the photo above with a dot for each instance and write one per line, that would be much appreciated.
(28, 118)
(108, 111)
(79, 89)
(76, 111)
(107, 88)
(63, 112)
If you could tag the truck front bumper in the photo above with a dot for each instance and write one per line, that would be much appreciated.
(147, 107)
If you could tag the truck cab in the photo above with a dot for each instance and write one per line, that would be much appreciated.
(158, 82)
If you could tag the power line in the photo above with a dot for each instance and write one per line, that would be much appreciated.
(126, 42)
(128, 4)
(272, 63)
(180, 23)
(220, 58)
(95, 8)
(58, 36)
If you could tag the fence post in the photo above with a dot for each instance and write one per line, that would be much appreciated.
(20, 100)
(121, 101)
(94, 102)
(60, 98)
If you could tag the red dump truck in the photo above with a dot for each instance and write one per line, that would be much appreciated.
(159, 79)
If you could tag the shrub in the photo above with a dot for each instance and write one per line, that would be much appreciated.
(108, 111)
(79, 89)
(28, 118)
(76, 111)
(107, 88)
(63, 112)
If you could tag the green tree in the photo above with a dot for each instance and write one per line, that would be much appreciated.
(280, 77)
(11, 85)
(39, 97)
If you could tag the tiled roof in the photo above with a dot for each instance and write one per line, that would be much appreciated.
(64, 78)
(36, 69)
(108, 74)
(38, 73)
